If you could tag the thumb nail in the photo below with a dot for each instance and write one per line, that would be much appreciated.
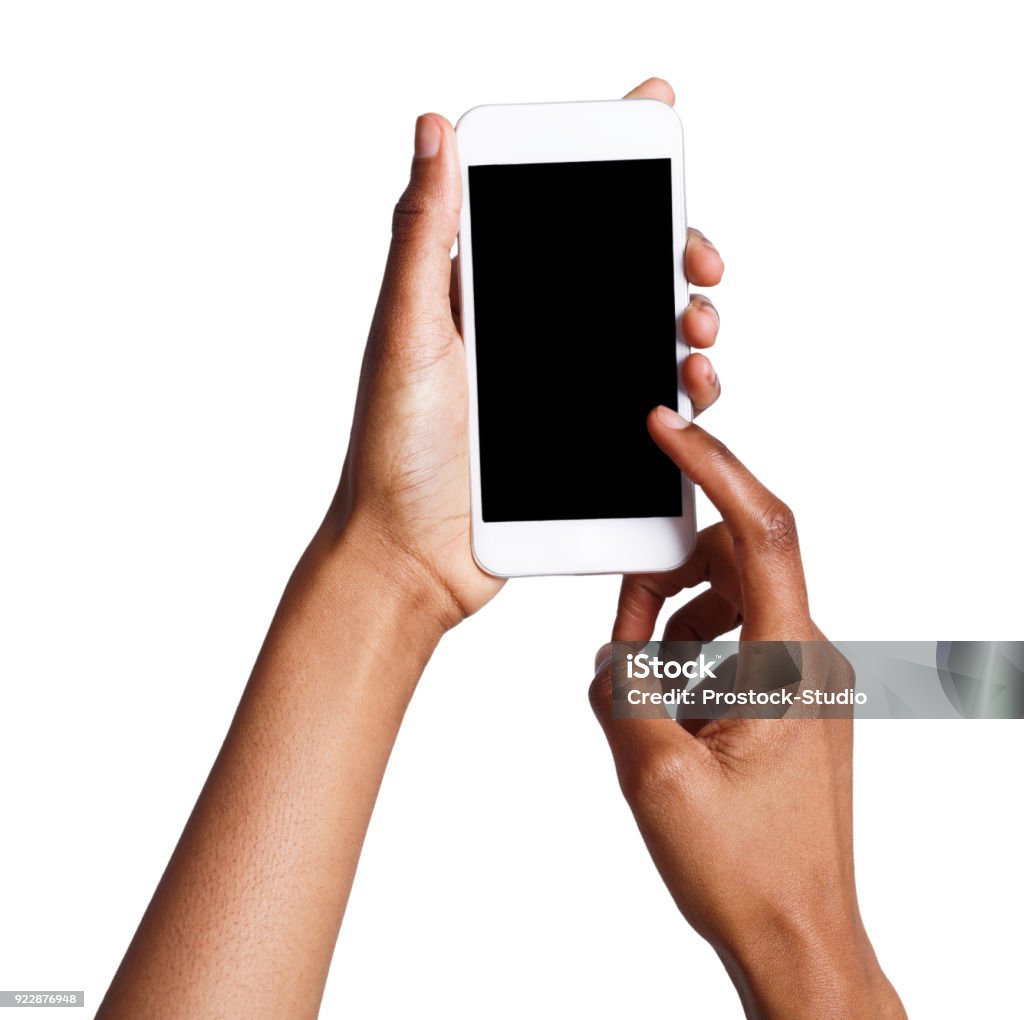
(428, 137)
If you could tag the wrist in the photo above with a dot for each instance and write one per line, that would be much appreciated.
(362, 564)
(796, 968)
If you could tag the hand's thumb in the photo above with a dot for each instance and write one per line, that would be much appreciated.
(425, 225)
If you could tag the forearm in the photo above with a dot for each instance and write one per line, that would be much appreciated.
(245, 918)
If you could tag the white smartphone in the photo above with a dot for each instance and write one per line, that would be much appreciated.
(572, 289)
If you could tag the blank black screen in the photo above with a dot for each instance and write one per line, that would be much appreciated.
(573, 271)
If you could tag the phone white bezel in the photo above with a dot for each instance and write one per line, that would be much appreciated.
(554, 133)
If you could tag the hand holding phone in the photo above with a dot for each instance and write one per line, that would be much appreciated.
(406, 483)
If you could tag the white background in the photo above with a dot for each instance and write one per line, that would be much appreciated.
(194, 210)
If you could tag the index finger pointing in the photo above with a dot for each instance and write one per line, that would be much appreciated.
(762, 527)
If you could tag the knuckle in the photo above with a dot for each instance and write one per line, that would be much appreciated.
(716, 459)
(656, 776)
(775, 528)
(426, 211)
(601, 690)
(410, 211)
(719, 453)
(841, 673)
(719, 457)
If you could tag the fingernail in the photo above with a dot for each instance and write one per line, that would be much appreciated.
(707, 243)
(703, 305)
(428, 137)
(671, 419)
(711, 375)
(603, 657)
